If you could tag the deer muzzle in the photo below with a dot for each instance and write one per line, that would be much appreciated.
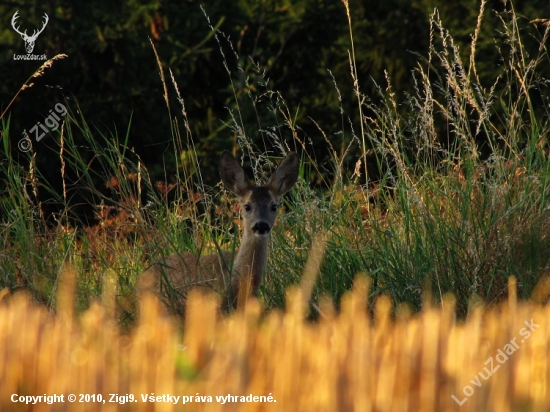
(261, 229)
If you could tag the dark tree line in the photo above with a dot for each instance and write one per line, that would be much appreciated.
(111, 74)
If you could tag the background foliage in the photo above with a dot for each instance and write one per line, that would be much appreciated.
(279, 45)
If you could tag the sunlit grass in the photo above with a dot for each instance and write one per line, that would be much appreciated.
(352, 360)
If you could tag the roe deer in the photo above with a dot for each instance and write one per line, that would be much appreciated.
(235, 279)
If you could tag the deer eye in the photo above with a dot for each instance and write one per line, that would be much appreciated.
(274, 207)
(247, 207)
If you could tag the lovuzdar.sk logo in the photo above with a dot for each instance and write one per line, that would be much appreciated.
(29, 40)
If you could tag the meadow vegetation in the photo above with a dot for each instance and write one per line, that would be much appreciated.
(456, 213)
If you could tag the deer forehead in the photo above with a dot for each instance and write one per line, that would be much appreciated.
(259, 195)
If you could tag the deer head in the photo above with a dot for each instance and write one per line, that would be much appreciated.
(29, 40)
(259, 203)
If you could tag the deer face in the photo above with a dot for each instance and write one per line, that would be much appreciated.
(259, 209)
(259, 203)
(29, 40)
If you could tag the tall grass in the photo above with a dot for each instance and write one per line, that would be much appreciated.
(464, 212)
(454, 206)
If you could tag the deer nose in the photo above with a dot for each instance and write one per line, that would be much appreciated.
(261, 228)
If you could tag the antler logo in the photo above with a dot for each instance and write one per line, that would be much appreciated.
(29, 40)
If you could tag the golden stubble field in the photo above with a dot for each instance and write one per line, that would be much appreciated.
(496, 360)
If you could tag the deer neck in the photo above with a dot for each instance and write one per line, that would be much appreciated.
(251, 259)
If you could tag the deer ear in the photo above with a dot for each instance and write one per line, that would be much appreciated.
(232, 175)
(285, 176)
